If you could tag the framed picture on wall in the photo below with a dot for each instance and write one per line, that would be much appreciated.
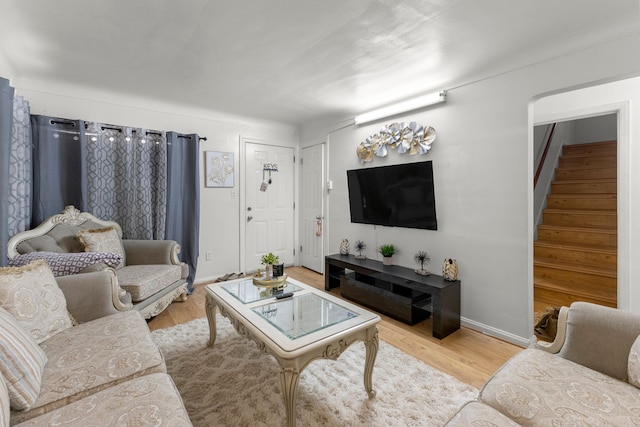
(219, 169)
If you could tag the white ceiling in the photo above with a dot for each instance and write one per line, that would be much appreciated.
(293, 60)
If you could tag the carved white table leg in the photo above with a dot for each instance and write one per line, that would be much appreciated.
(210, 308)
(371, 346)
(289, 377)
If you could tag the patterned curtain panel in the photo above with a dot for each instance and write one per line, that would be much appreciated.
(127, 179)
(20, 179)
(6, 118)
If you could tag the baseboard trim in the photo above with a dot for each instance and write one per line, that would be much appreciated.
(494, 332)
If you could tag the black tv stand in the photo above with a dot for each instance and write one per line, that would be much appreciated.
(396, 291)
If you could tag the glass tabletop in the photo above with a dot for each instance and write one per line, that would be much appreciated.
(246, 292)
(301, 315)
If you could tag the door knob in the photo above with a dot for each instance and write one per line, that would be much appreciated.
(249, 209)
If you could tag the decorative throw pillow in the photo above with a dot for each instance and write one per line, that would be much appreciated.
(31, 294)
(633, 368)
(21, 363)
(102, 240)
(64, 264)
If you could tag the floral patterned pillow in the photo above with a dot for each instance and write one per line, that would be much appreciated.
(64, 264)
(102, 240)
(31, 294)
(633, 368)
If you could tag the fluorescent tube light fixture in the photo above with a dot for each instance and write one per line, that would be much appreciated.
(401, 107)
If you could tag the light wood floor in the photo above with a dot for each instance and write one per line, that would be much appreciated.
(470, 356)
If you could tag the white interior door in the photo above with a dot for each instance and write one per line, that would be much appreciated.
(269, 214)
(312, 211)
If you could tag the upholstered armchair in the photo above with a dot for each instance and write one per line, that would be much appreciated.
(99, 272)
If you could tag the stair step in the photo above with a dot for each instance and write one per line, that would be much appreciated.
(580, 173)
(588, 161)
(573, 275)
(599, 257)
(602, 186)
(591, 148)
(580, 218)
(583, 201)
(548, 294)
(578, 235)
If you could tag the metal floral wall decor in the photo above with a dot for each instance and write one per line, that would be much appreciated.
(412, 139)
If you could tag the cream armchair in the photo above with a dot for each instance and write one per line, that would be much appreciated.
(590, 375)
(148, 279)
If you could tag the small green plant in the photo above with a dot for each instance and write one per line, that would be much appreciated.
(422, 258)
(387, 250)
(269, 259)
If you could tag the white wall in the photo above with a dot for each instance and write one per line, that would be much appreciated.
(483, 167)
(596, 129)
(219, 207)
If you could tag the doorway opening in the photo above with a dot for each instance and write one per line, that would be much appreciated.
(576, 213)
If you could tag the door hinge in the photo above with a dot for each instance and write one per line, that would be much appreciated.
(301, 160)
(300, 249)
(294, 251)
(294, 206)
(294, 160)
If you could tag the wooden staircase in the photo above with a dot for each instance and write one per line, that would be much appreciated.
(575, 256)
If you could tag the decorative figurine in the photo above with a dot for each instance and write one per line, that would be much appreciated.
(450, 269)
(344, 247)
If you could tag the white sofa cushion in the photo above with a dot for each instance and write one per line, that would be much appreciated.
(478, 414)
(31, 294)
(21, 364)
(142, 281)
(151, 400)
(536, 388)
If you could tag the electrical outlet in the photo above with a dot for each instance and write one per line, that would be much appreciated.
(208, 255)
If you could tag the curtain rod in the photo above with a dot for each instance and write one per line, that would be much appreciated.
(200, 138)
(62, 122)
(119, 129)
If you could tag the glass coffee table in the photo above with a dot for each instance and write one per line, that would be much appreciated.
(310, 324)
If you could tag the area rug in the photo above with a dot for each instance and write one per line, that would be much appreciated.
(234, 384)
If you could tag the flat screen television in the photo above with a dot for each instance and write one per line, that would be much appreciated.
(394, 196)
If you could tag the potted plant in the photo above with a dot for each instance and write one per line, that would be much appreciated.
(360, 246)
(268, 260)
(387, 250)
(422, 258)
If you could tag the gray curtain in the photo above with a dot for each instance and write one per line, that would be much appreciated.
(183, 197)
(146, 181)
(127, 179)
(6, 119)
(59, 166)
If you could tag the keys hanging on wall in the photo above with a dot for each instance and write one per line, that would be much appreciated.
(267, 168)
